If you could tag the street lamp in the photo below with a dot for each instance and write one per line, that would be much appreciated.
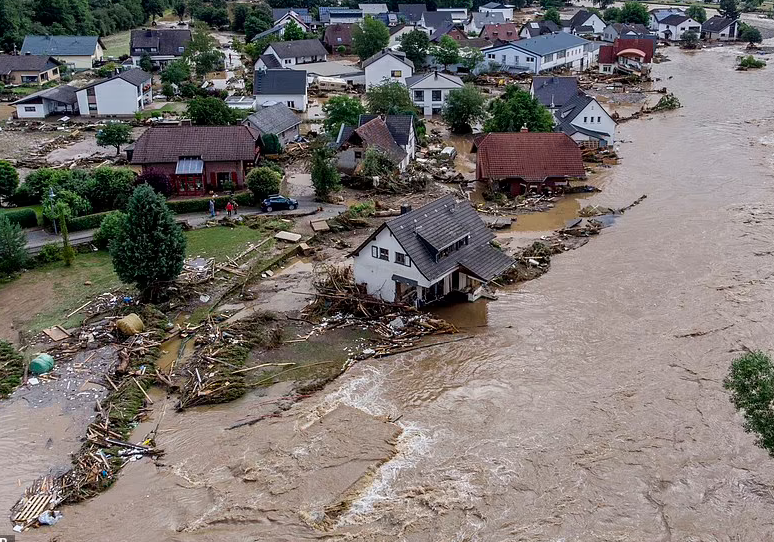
(51, 199)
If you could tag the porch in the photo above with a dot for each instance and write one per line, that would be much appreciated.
(457, 282)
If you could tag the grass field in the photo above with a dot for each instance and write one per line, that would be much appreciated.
(220, 243)
(117, 44)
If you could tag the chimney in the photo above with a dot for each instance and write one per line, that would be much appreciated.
(405, 208)
(524, 129)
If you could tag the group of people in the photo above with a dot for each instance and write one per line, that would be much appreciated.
(231, 207)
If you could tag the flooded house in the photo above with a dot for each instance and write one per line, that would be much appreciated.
(425, 254)
(392, 135)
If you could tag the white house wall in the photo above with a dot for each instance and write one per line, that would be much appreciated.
(115, 97)
(38, 111)
(602, 122)
(513, 57)
(381, 71)
(428, 85)
(298, 101)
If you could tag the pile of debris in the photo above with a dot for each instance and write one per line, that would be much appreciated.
(666, 103)
(600, 155)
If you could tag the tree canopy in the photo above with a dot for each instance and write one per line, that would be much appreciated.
(464, 107)
(446, 52)
(293, 31)
(697, 13)
(9, 180)
(416, 45)
(612, 15)
(369, 37)
(516, 109)
(176, 72)
(263, 181)
(635, 12)
(114, 134)
(749, 34)
(729, 8)
(389, 98)
(325, 176)
(552, 14)
(751, 383)
(210, 112)
(341, 110)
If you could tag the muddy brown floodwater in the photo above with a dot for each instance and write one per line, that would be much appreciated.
(580, 411)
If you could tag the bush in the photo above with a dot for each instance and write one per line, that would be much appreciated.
(751, 62)
(13, 245)
(325, 176)
(87, 222)
(26, 218)
(9, 179)
(111, 188)
(158, 180)
(263, 181)
(108, 229)
(23, 196)
(49, 253)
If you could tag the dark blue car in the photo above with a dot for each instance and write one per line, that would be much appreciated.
(277, 202)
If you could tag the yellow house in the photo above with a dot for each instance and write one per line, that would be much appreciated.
(28, 69)
(77, 52)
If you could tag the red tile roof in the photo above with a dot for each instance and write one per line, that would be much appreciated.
(533, 157)
(213, 143)
(336, 31)
(647, 46)
(607, 54)
(375, 133)
(503, 31)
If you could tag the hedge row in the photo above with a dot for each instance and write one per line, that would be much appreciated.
(202, 205)
(86, 222)
(26, 218)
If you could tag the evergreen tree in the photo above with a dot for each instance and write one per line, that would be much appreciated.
(12, 246)
(369, 37)
(325, 176)
(9, 179)
(516, 109)
(293, 31)
(149, 248)
(729, 8)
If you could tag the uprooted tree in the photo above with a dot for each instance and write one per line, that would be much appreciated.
(751, 383)
(149, 247)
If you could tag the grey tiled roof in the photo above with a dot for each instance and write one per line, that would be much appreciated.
(282, 82)
(435, 19)
(303, 14)
(548, 43)
(674, 20)
(273, 119)
(486, 17)
(538, 28)
(270, 61)
(400, 55)
(297, 48)
(135, 76)
(717, 23)
(64, 94)
(33, 63)
(60, 45)
(399, 125)
(556, 90)
(412, 12)
(167, 42)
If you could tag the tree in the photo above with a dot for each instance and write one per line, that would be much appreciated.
(690, 39)
(751, 383)
(612, 15)
(108, 229)
(210, 112)
(111, 188)
(253, 27)
(464, 107)
(13, 242)
(389, 98)
(635, 12)
(369, 37)
(750, 34)
(176, 72)
(415, 44)
(76, 204)
(239, 15)
(325, 176)
(697, 13)
(293, 31)
(203, 51)
(158, 180)
(516, 109)
(9, 180)
(446, 52)
(150, 246)
(168, 90)
(547, 4)
(729, 9)
(146, 63)
(263, 182)
(471, 58)
(62, 213)
(552, 14)
(114, 134)
(341, 110)
(180, 8)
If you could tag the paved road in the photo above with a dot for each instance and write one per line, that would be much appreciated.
(37, 237)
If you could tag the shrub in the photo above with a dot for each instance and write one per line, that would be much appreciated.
(13, 245)
(750, 61)
(111, 188)
(263, 181)
(325, 176)
(78, 205)
(86, 222)
(50, 252)
(751, 383)
(158, 180)
(26, 218)
(23, 196)
(109, 228)
(9, 179)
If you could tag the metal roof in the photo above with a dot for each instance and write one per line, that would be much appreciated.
(60, 45)
(281, 82)
(273, 119)
(189, 166)
(546, 44)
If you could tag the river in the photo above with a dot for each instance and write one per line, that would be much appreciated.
(588, 407)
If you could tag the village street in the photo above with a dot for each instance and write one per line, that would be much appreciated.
(587, 406)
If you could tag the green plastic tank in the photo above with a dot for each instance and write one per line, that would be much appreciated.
(43, 363)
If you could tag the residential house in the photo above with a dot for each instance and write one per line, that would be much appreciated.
(198, 159)
(495, 7)
(393, 135)
(28, 69)
(447, 29)
(534, 29)
(338, 35)
(657, 15)
(283, 86)
(275, 119)
(267, 62)
(302, 15)
(586, 122)
(387, 66)
(76, 52)
(425, 254)
(720, 29)
(332, 15)
(275, 32)
(163, 46)
(584, 23)
(503, 32)
(536, 55)
(621, 30)
(59, 100)
(553, 92)
(674, 26)
(291, 53)
(411, 13)
(389, 19)
(477, 21)
(304, 22)
(459, 15)
(430, 90)
(373, 9)
(397, 32)
(435, 19)
(521, 162)
(244, 103)
(629, 56)
(121, 95)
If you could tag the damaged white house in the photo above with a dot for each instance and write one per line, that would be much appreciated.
(425, 254)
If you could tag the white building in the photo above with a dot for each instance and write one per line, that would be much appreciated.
(121, 95)
(290, 53)
(423, 255)
(387, 66)
(163, 46)
(476, 22)
(77, 52)
(52, 101)
(657, 15)
(459, 15)
(720, 28)
(542, 53)
(673, 27)
(281, 86)
(430, 90)
(495, 7)
(586, 122)
(397, 32)
(584, 23)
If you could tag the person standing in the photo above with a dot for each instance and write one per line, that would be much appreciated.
(229, 208)
(212, 208)
(235, 205)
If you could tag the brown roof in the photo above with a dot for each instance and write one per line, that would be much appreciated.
(375, 133)
(503, 31)
(165, 144)
(607, 54)
(336, 31)
(26, 63)
(645, 45)
(533, 157)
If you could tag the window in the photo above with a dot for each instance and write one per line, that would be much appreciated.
(530, 59)
(92, 107)
(396, 73)
(358, 155)
(31, 109)
(180, 49)
(402, 259)
(548, 58)
(153, 49)
(490, 56)
(599, 119)
(560, 54)
(436, 95)
(419, 95)
(90, 92)
(505, 58)
(338, 39)
(585, 119)
(374, 251)
(592, 120)
(287, 61)
(291, 104)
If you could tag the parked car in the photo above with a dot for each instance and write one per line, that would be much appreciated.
(276, 202)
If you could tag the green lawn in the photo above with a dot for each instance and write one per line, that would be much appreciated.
(171, 107)
(220, 242)
(117, 44)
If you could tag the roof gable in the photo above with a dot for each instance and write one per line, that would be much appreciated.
(433, 80)
(167, 42)
(33, 63)
(412, 12)
(545, 44)
(279, 82)
(375, 133)
(298, 48)
(273, 119)
(717, 23)
(400, 126)
(60, 45)
(400, 56)
(211, 143)
(554, 90)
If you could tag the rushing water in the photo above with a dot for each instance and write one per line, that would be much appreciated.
(582, 410)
